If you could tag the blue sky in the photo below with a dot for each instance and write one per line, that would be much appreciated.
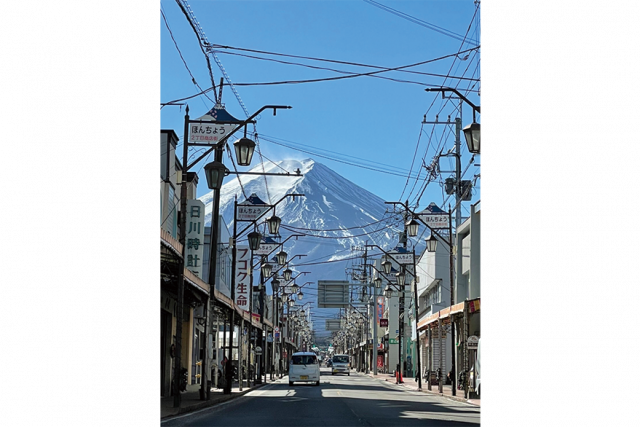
(365, 120)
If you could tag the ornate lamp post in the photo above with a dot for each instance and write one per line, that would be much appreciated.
(215, 172)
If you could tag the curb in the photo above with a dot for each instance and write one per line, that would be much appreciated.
(433, 393)
(208, 403)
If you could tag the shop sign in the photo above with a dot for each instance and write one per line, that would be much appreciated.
(249, 212)
(195, 237)
(242, 279)
(393, 341)
(384, 323)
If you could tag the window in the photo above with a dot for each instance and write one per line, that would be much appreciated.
(340, 359)
(304, 360)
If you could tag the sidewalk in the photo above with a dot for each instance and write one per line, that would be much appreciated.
(190, 400)
(409, 383)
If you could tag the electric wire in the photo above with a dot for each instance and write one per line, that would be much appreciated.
(415, 20)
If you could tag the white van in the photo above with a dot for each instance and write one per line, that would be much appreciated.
(340, 363)
(304, 367)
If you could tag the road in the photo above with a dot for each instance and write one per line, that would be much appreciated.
(355, 400)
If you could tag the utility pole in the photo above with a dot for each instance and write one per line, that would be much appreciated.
(458, 188)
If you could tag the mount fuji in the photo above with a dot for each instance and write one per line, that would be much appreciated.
(336, 216)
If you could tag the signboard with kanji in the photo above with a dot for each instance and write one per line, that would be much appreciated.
(194, 240)
(380, 309)
(242, 280)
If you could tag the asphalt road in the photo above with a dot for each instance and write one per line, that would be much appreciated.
(341, 400)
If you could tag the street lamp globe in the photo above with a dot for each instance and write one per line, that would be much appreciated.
(254, 240)
(378, 282)
(300, 294)
(432, 243)
(244, 150)
(386, 265)
(287, 274)
(282, 257)
(215, 173)
(388, 291)
(412, 227)
(266, 269)
(472, 135)
(274, 224)
(400, 277)
(275, 285)
(295, 288)
(291, 303)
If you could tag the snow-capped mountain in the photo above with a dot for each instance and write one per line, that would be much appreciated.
(336, 214)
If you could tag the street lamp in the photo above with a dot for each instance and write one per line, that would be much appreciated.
(300, 294)
(472, 135)
(254, 240)
(472, 131)
(215, 173)
(274, 224)
(400, 278)
(377, 282)
(266, 269)
(281, 257)
(287, 274)
(412, 227)
(295, 288)
(388, 291)
(432, 243)
(386, 265)
(244, 150)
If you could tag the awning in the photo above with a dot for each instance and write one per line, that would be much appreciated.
(168, 241)
(194, 280)
(446, 313)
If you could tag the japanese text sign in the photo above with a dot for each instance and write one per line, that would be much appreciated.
(435, 220)
(249, 212)
(195, 237)
(402, 258)
(209, 132)
(242, 280)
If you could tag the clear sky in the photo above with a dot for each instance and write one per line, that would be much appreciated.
(369, 121)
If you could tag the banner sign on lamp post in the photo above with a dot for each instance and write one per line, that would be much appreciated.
(213, 126)
(434, 217)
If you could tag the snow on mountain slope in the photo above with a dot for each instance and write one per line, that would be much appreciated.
(332, 207)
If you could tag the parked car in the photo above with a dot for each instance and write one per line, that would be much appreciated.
(340, 364)
(304, 367)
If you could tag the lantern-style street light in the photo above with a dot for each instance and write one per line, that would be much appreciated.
(432, 243)
(386, 266)
(244, 150)
(215, 173)
(287, 274)
(254, 240)
(281, 257)
(412, 227)
(274, 224)
(472, 131)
